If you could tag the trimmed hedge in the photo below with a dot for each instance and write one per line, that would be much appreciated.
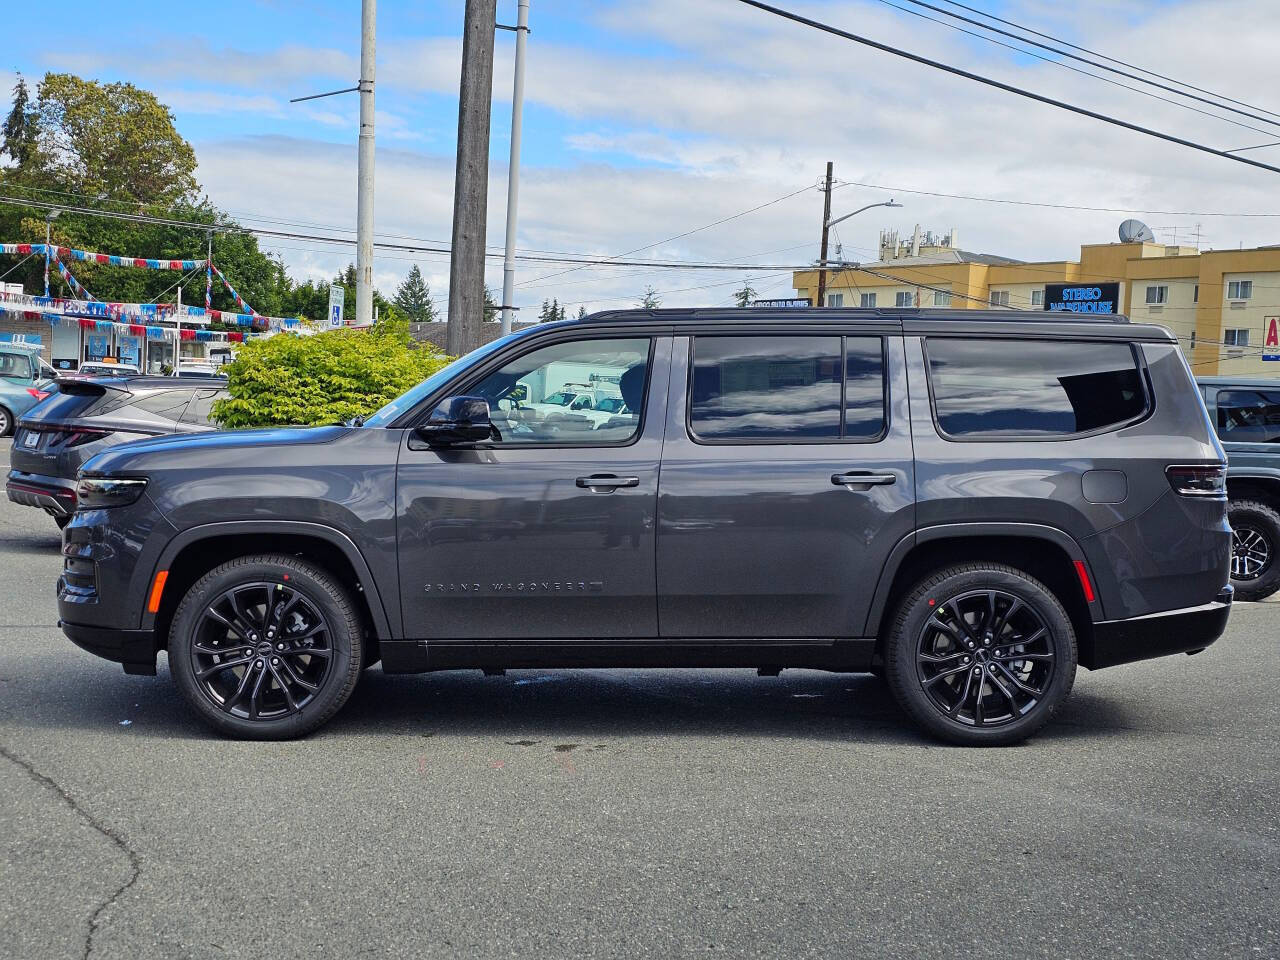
(323, 379)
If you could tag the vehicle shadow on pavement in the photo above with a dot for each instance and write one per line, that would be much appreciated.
(551, 705)
(35, 546)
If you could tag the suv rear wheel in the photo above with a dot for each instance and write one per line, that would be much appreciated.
(980, 654)
(1255, 538)
(266, 647)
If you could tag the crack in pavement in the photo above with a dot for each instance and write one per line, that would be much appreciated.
(135, 862)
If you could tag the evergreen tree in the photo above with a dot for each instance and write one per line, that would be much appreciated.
(18, 132)
(545, 315)
(490, 305)
(745, 295)
(582, 313)
(414, 298)
(651, 300)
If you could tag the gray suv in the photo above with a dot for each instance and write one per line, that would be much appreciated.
(967, 504)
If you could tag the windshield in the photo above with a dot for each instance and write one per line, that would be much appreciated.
(412, 397)
(560, 399)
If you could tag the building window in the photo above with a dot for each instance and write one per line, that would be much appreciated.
(1239, 289)
(1037, 298)
(999, 298)
(942, 298)
(1236, 338)
(835, 299)
(1157, 295)
(1195, 294)
(868, 300)
(903, 298)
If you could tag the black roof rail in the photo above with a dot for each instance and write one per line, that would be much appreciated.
(856, 313)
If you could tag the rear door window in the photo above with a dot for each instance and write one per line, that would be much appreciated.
(166, 404)
(1249, 416)
(199, 411)
(787, 388)
(1033, 388)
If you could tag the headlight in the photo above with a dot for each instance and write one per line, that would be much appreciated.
(94, 493)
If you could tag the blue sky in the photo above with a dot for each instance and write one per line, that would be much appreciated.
(644, 121)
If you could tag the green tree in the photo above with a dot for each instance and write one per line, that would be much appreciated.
(650, 300)
(110, 139)
(490, 305)
(745, 295)
(18, 132)
(414, 297)
(582, 313)
(327, 378)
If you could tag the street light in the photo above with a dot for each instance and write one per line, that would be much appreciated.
(869, 206)
(822, 267)
(49, 217)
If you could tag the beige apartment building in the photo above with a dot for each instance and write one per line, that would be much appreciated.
(1222, 304)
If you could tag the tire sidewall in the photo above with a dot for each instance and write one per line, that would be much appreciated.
(6, 421)
(319, 589)
(1266, 521)
(900, 652)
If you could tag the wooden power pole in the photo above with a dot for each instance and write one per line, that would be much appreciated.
(822, 251)
(471, 180)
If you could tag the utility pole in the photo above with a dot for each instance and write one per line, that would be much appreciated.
(471, 179)
(822, 252)
(513, 169)
(364, 175)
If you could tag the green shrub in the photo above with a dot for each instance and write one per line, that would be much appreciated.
(326, 378)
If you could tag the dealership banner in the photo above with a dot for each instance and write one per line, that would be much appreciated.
(26, 249)
(122, 314)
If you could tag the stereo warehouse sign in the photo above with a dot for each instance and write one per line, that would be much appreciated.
(1082, 297)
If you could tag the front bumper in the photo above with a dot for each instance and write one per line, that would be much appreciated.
(134, 649)
(53, 494)
(1187, 630)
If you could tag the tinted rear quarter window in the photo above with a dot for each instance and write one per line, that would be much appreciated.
(200, 410)
(1033, 388)
(787, 388)
(168, 404)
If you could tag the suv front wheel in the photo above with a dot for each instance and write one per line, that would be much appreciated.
(980, 654)
(266, 647)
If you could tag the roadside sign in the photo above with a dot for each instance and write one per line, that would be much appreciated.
(1271, 347)
(793, 302)
(1081, 297)
(336, 297)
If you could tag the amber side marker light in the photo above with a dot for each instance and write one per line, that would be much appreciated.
(157, 589)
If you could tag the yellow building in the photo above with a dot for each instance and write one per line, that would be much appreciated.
(1219, 303)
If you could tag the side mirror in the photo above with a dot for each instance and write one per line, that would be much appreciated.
(457, 420)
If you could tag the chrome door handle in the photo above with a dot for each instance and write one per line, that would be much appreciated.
(607, 483)
(863, 479)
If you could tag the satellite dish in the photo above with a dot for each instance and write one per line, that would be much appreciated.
(1135, 231)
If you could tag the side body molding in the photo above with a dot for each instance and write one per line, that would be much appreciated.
(943, 531)
(269, 528)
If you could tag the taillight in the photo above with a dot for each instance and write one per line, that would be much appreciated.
(79, 437)
(1189, 481)
(38, 394)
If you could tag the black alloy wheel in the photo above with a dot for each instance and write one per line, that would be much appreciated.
(980, 654)
(985, 658)
(262, 651)
(1255, 540)
(266, 647)
(1250, 553)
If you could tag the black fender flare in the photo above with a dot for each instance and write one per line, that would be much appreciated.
(208, 531)
(942, 531)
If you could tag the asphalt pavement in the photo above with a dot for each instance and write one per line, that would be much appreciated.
(628, 813)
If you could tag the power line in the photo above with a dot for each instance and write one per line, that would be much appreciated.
(999, 85)
(1095, 53)
(582, 259)
(1092, 63)
(680, 236)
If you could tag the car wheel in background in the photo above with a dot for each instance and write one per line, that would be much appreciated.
(980, 654)
(1255, 538)
(6, 422)
(266, 647)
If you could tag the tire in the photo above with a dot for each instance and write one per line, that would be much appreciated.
(6, 422)
(929, 663)
(1255, 538)
(277, 641)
